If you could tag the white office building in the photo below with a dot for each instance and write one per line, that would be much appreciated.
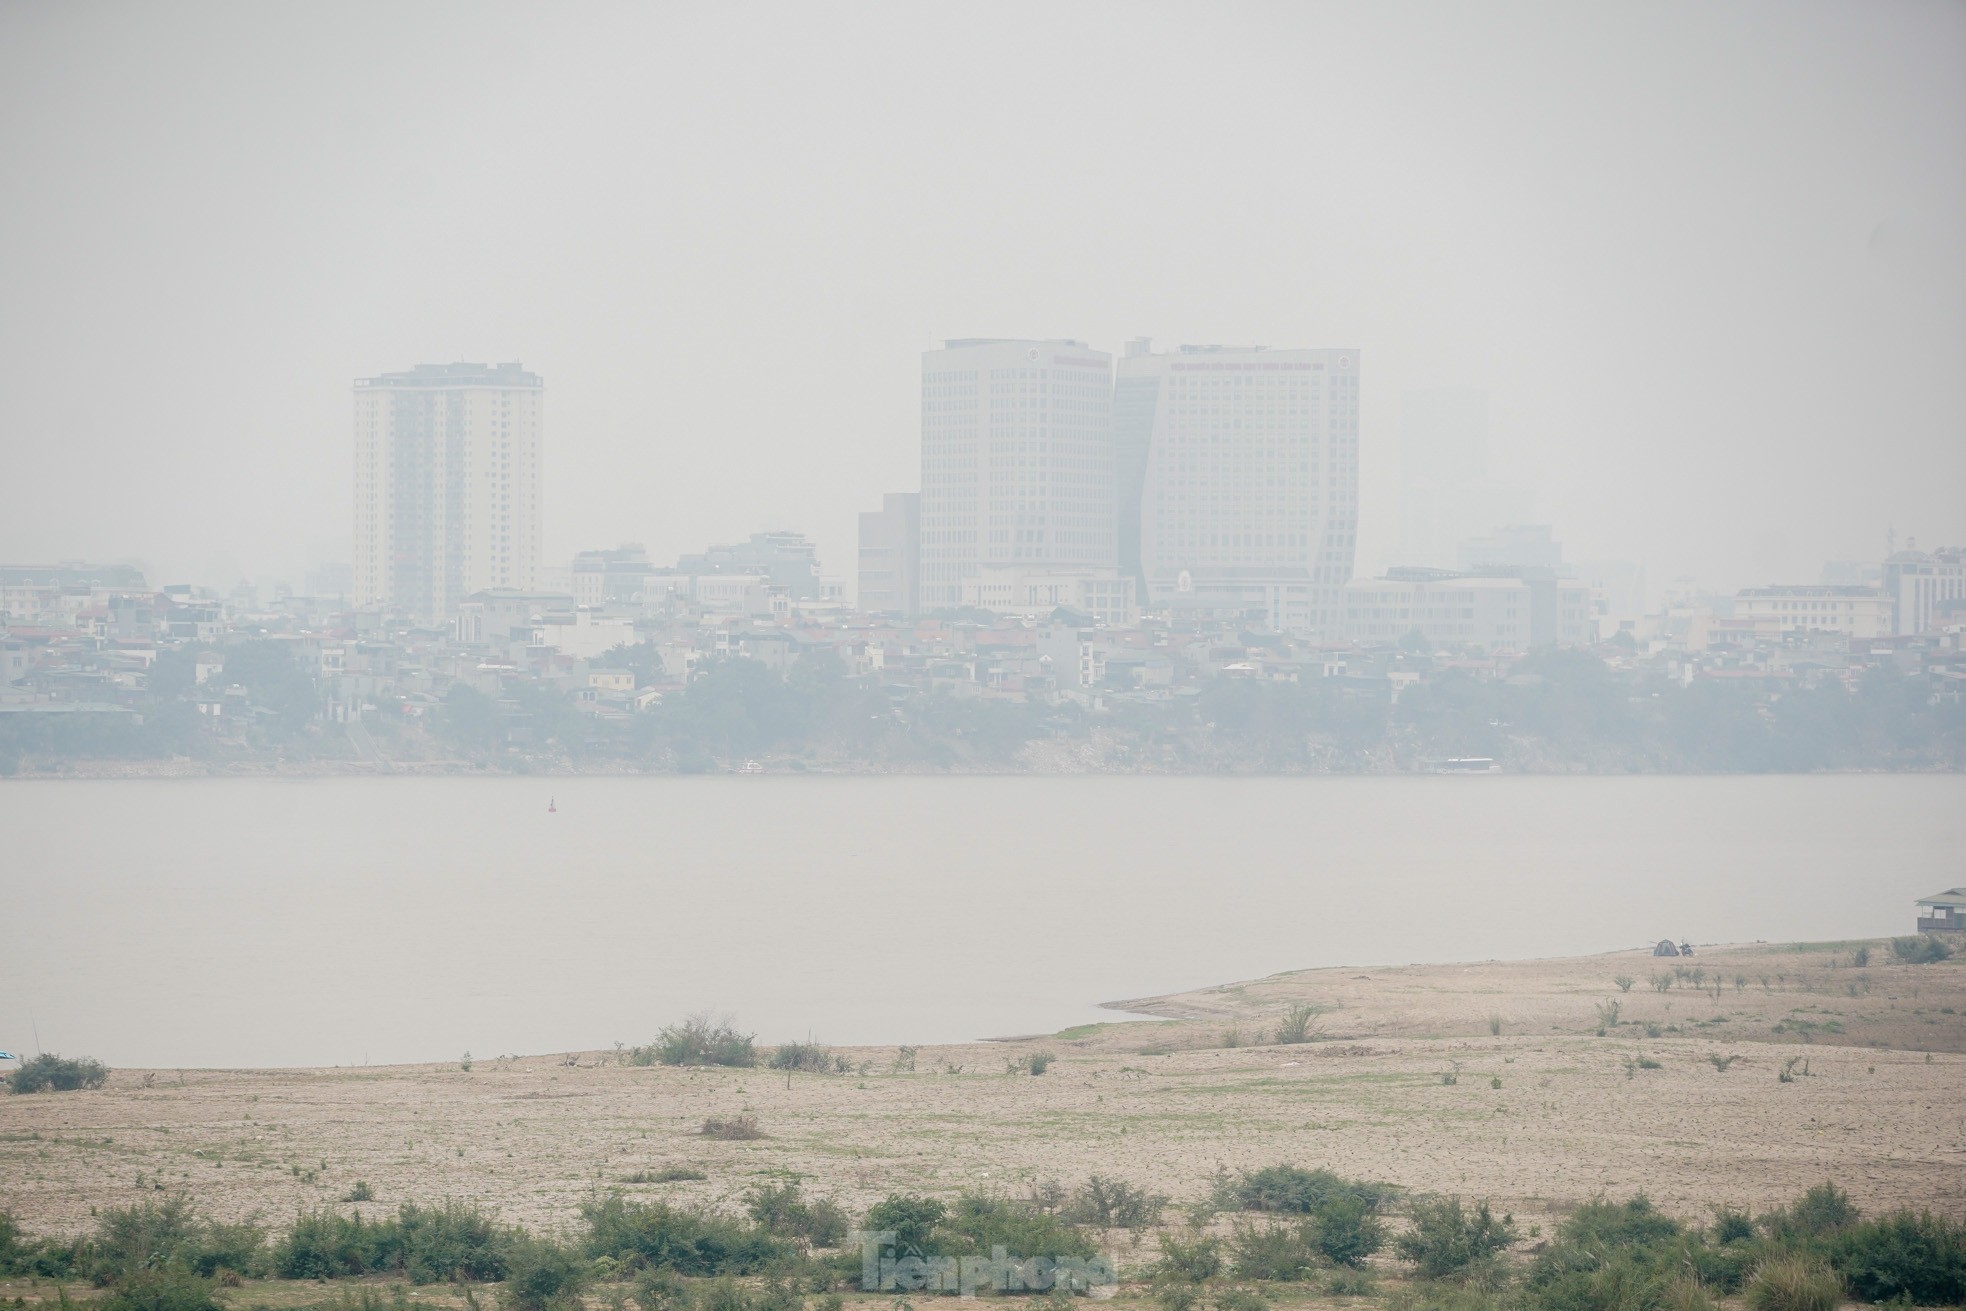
(1239, 481)
(1812, 608)
(447, 486)
(1017, 462)
(1927, 589)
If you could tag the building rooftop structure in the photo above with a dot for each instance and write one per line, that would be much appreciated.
(456, 375)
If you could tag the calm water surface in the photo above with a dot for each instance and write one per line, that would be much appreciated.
(336, 921)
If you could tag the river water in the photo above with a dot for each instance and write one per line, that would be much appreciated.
(342, 921)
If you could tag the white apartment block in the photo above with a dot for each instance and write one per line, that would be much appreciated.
(1927, 589)
(1815, 608)
(1498, 614)
(1243, 465)
(1017, 461)
(447, 486)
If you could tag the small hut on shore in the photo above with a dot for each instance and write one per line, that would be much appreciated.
(1943, 912)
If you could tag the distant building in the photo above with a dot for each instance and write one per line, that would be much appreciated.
(1447, 494)
(1943, 912)
(583, 634)
(1813, 608)
(1036, 590)
(787, 559)
(1450, 609)
(59, 591)
(504, 615)
(620, 576)
(1927, 589)
(1617, 593)
(751, 594)
(1017, 461)
(1072, 657)
(333, 580)
(890, 555)
(1518, 546)
(447, 486)
(1243, 463)
(1852, 573)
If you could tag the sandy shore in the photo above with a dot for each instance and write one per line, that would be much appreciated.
(1537, 1117)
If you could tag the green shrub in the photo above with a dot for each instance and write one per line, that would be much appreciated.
(23, 1255)
(978, 1222)
(654, 1235)
(452, 1242)
(1189, 1260)
(1275, 1250)
(1447, 1240)
(1794, 1283)
(1350, 1283)
(1732, 1226)
(1039, 1062)
(1240, 1299)
(147, 1236)
(698, 1040)
(1603, 1281)
(540, 1275)
(1627, 1256)
(169, 1288)
(51, 1073)
(661, 1290)
(783, 1210)
(152, 1235)
(1348, 1232)
(1686, 1294)
(1917, 1257)
(811, 1057)
(1290, 1189)
(723, 1294)
(1177, 1297)
(1296, 1025)
(1920, 950)
(239, 1249)
(975, 1224)
(1820, 1211)
(324, 1244)
(911, 1218)
(1113, 1204)
(1631, 1223)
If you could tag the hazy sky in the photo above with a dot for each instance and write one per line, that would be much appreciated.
(1707, 259)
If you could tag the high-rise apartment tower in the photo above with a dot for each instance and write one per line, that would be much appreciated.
(1017, 463)
(1238, 490)
(447, 485)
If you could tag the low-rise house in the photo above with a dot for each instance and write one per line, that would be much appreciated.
(1943, 912)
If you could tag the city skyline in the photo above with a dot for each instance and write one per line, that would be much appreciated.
(732, 330)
